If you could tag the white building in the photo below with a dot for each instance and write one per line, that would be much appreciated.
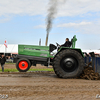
(11, 48)
(95, 51)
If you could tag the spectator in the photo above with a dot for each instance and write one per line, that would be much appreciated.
(11, 57)
(2, 61)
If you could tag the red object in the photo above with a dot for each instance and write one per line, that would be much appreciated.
(5, 43)
(23, 65)
(14, 53)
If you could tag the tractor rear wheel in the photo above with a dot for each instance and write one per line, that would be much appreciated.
(23, 65)
(68, 64)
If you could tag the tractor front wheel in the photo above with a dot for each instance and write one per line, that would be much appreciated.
(23, 65)
(68, 64)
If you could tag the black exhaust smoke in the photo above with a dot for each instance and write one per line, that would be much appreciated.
(51, 15)
(53, 4)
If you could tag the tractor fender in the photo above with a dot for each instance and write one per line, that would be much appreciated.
(67, 48)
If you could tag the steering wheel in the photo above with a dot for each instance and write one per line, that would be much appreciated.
(57, 44)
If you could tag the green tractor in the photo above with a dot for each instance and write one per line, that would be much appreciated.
(68, 62)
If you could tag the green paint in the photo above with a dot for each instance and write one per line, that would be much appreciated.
(33, 50)
(74, 41)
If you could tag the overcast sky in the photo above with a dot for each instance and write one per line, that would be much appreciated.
(24, 22)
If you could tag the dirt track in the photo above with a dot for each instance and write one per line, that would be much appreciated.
(46, 86)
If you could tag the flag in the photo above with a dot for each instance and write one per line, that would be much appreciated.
(5, 43)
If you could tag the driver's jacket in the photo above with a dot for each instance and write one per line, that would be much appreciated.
(67, 44)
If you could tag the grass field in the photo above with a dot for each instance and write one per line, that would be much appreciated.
(10, 67)
(15, 70)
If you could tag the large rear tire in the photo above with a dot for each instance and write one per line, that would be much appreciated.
(68, 64)
(23, 65)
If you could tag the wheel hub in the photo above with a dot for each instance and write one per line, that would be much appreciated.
(23, 65)
(69, 64)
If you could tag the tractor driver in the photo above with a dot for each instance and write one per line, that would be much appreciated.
(67, 43)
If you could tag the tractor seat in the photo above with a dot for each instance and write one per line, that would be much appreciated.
(52, 47)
